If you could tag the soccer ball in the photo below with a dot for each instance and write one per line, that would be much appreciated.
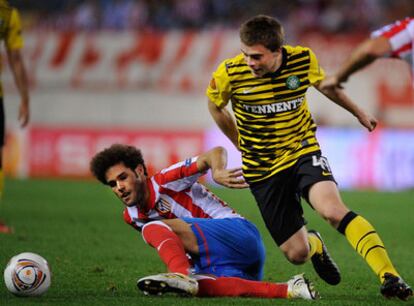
(27, 274)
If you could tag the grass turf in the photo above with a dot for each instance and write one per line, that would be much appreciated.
(96, 258)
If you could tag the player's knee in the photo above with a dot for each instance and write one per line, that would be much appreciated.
(334, 215)
(298, 256)
(151, 229)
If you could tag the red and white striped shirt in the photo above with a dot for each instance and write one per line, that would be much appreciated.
(175, 193)
(401, 37)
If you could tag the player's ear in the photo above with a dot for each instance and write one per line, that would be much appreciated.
(140, 169)
(278, 51)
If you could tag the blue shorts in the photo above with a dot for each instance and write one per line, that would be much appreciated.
(229, 247)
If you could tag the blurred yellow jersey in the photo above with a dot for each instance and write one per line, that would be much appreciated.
(274, 123)
(10, 29)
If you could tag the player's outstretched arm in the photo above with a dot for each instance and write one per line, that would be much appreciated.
(216, 160)
(20, 78)
(225, 122)
(339, 97)
(367, 52)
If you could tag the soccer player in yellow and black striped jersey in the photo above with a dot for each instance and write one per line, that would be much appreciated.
(282, 161)
(11, 35)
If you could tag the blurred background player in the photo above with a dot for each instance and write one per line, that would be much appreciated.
(11, 35)
(393, 40)
(282, 159)
(220, 242)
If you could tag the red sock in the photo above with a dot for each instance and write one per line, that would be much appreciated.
(168, 245)
(234, 286)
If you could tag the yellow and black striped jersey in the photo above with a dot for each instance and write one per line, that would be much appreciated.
(10, 29)
(274, 123)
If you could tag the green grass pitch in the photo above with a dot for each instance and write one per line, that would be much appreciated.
(96, 258)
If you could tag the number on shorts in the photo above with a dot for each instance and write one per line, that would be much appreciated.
(321, 161)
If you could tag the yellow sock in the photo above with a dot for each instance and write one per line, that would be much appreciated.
(365, 240)
(315, 245)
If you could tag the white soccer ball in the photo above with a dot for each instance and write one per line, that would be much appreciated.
(27, 274)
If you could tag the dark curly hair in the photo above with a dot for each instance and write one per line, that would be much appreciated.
(263, 30)
(130, 156)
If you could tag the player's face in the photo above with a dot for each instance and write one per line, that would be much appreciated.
(128, 185)
(260, 59)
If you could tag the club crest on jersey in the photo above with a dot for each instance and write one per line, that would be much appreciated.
(293, 82)
(187, 162)
(163, 206)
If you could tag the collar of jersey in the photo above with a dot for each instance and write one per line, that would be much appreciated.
(282, 66)
(152, 197)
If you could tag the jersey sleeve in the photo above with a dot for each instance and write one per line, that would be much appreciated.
(14, 39)
(316, 73)
(179, 176)
(392, 29)
(219, 89)
(398, 35)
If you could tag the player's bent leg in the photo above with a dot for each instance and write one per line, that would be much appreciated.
(365, 240)
(361, 235)
(325, 199)
(168, 245)
(303, 245)
(323, 263)
(183, 230)
(296, 248)
(168, 283)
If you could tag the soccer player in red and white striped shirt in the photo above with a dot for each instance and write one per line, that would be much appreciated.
(393, 40)
(175, 193)
(177, 216)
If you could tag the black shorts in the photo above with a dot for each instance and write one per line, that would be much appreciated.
(279, 197)
(2, 123)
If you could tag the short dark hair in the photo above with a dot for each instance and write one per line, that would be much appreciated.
(130, 156)
(263, 30)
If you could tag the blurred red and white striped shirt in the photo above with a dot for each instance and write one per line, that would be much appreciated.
(176, 193)
(401, 38)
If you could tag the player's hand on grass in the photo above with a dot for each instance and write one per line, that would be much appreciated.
(231, 178)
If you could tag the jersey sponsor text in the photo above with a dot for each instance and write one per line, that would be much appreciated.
(278, 107)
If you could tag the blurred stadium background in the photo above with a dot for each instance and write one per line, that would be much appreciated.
(104, 71)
